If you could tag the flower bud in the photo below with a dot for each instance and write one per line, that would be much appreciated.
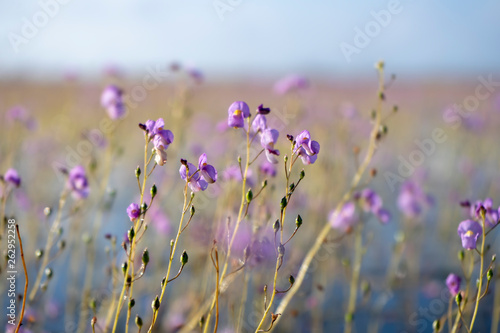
(137, 172)
(461, 255)
(489, 275)
(153, 191)
(155, 305)
(249, 195)
(124, 267)
(184, 258)
(291, 279)
(192, 195)
(281, 250)
(48, 273)
(61, 244)
(285, 158)
(239, 159)
(276, 226)
(138, 321)
(192, 210)
(493, 258)
(39, 253)
(163, 281)
(47, 211)
(436, 325)
(131, 234)
(131, 303)
(283, 203)
(458, 298)
(144, 207)
(264, 183)
(145, 257)
(302, 174)
(291, 187)
(184, 162)
(298, 221)
(128, 280)
(93, 304)
(289, 137)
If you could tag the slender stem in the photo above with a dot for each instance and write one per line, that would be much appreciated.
(238, 220)
(25, 283)
(172, 253)
(272, 295)
(48, 245)
(356, 269)
(242, 304)
(479, 288)
(326, 228)
(450, 315)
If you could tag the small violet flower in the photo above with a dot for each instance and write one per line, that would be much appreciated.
(469, 231)
(412, 200)
(370, 201)
(237, 112)
(198, 179)
(267, 139)
(112, 101)
(345, 219)
(12, 177)
(491, 216)
(306, 148)
(453, 283)
(78, 183)
(161, 138)
(133, 211)
(268, 169)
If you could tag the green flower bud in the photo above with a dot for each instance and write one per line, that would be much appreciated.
(145, 257)
(47, 211)
(61, 244)
(93, 304)
(302, 174)
(285, 158)
(489, 275)
(458, 298)
(39, 253)
(264, 183)
(153, 191)
(138, 321)
(156, 304)
(131, 303)
(249, 195)
(298, 221)
(131, 234)
(283, 203)
(192, 210)
(436, 325)
(291, 279)
(184, 258)
(163, 281)
(124, 267)
(137, 172)
(48, 273)
(144, 207)
(461, 255)
(493, 258)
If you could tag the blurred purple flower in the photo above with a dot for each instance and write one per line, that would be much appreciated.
(159, 220)
(453, 283)
(20, 114)
(207, 171)
(370, 201)
(112, 101)
(291, 83)
(195, 181)
(237, 112)
(268, 169)
(12, 177)
(133, 211)
(162, 139)
(469, 231)
(412, 199)
(345, 219)
(78, 183)
(267, 139)
(195, 74)
(492, 215)
(259, 123)
(306, 148)
(233, 172)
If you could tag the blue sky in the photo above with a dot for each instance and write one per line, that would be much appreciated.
(255, 37)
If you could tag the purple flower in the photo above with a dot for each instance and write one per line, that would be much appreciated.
(21, 115)
(306, 148)
(491, 216)
(268, 169)
(237, 112)
(267, 139)
(370, 201)
(453, 283)
(133, 211)
(162, 138)
(12, 177)
(345, 219)
(291, 83)
(469, 231)
(412, 199)
(195, 182)
(78, 183)
(259, 123)
(208, 172)
(112, 101)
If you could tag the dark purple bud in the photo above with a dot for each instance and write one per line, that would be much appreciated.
(262, 110)
(184, 162)
(289, 137)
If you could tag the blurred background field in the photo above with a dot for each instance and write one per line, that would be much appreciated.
(50, 118)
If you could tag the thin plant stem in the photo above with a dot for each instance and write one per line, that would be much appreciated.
(272, 295)
(356, 269)
(479, 288)
(326, 228)
(25, 283)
